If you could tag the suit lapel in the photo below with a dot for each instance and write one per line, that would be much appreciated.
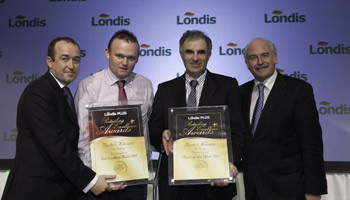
(246, 98)
(208, 90)
(179, 91)
(276, 95)
(62, 98)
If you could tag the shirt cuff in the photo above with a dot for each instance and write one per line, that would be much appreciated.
(91, 184)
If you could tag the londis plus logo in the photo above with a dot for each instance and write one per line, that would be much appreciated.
(21, 21)
(18, 77)
(295, 74)
(277, 17)
(190, 19)
(10, 136)
(326, 109)
(160, 51)
(105, 20)
(323, 48)
(64, 0)
(230, 49)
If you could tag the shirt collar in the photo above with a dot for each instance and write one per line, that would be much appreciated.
(59, 82)
(268, 82)
(112, 79)
(200, 79)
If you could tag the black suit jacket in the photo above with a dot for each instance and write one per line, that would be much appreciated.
(284, 158)
(47, 165)
(217, 90)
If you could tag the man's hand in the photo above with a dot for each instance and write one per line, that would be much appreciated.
(225, 182)
(167, 142)
(312, 197)
(101, 185)
(117, 186)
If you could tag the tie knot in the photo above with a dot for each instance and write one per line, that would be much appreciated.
(121, 84)
(193, 83)
(261, 87)
(66, 91)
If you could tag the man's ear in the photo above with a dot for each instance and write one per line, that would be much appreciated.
(49, 62)
(107, 53)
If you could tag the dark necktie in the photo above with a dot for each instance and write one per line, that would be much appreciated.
(121, 95)
(258, 108)
(69, 98)
(192, 98)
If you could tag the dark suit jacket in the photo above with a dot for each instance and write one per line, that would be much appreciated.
(284, 158)
(47, 165)
(217, 90)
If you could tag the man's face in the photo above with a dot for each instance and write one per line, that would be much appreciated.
(261, 60)
(195, 56)
(122, 57)
(65, 65)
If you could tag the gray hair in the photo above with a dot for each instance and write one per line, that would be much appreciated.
(271, 44)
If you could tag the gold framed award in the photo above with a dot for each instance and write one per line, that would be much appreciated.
(202, 150)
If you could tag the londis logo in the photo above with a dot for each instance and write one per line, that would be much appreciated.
(189, 19)
(326, 109)
(11, 136)
(21, 21)
(230, 49)
(295, 74)
(277, 17)
(18, 77)
(104, 20)
(323, 48)
(160, 51)
(64, 0)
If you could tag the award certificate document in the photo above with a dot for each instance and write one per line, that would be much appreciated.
(200, 145)
(117, 142)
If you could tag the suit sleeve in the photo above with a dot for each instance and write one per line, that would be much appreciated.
(236, 122)
(156, 122)
(310, 135)
(40, 113)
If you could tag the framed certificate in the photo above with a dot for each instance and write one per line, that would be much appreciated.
(202, 150)
(118, 144)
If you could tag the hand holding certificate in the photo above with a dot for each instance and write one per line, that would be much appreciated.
(201, 145)
(117, 143)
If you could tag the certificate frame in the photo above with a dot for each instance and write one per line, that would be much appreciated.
(118, 145)
(201, 145)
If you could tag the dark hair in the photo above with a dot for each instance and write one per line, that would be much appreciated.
(194, 35)
(123, 35)
(51, 49)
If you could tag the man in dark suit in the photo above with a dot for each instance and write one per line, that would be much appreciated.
(212, 89)
(47, 165)
(283, 157)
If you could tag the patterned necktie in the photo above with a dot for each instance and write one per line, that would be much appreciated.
(121, 95)
(258, 108)
(192, 98)
(69, 98)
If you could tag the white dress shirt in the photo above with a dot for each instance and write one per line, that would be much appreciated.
(199, 86)
(268, 83)
(102, 87)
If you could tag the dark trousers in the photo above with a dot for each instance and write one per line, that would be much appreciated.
(255, 194)
(135, 192)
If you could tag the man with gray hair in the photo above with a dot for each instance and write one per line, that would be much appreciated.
(283, 157)
(211, 89)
